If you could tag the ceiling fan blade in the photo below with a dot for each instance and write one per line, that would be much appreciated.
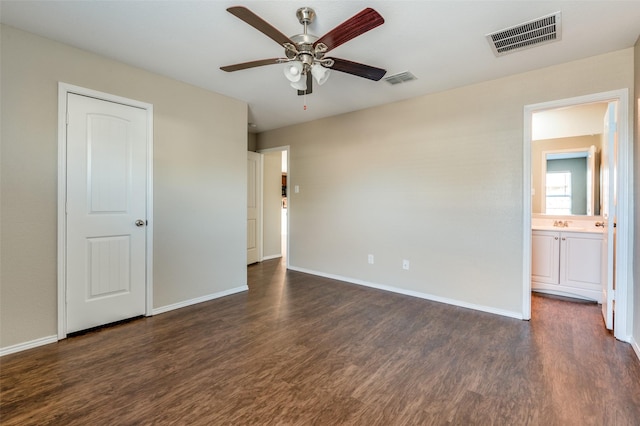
(309, 86)
(355, 68)
(252, 64)
(259, 24)
(358, 24)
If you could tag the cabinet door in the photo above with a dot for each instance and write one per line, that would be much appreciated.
(545, 256)
(581, 260)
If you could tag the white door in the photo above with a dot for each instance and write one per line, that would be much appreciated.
(105, 212)
(254, 203)
(608, 173)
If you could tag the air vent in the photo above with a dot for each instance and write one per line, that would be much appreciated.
(401, 77)
(526, 35)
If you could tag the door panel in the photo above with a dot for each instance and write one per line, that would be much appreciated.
(109, 151)
(254, 188)
(109, 271)
(106, 195)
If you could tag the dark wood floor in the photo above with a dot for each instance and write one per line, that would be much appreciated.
(299, 350)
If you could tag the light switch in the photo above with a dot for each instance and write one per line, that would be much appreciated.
(296, 189)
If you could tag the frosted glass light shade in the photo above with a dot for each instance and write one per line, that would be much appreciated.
(320, 73)
(300, 84)
(293, 71)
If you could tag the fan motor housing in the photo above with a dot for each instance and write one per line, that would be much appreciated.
(306, 53)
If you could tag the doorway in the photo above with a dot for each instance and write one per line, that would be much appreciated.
(104, 209)
(619, 217)
(276, 203)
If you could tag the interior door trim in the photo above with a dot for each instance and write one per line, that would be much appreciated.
(624, 209)
(63, 90)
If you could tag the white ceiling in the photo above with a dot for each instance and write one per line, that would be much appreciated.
(441, 42)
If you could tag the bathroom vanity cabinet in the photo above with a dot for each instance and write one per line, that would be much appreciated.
(568, 263)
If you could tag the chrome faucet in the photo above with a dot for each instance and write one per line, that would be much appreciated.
(561, 224)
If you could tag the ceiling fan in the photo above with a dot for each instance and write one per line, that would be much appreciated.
(305, 53)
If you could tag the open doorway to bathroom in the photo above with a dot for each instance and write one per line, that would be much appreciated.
(577, 202)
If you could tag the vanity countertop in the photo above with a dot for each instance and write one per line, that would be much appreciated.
(591, 229)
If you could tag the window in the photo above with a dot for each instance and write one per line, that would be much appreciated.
(558, 196)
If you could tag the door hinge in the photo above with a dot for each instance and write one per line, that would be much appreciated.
(612, 295)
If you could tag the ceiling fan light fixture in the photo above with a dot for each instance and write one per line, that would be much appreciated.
(293, 71)
(320, 73)
(305, 53)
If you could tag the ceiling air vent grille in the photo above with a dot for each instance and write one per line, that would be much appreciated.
(528, 34)
(401, 77)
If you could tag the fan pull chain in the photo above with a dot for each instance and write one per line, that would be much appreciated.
(305, 101)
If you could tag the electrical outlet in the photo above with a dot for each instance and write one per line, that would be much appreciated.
(370, 259)
(405, 264)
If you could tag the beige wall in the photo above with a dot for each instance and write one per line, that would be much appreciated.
(578, 120)
(272, 202)
(436, 180)
(538, 147)
(636, 254)
(200, 142)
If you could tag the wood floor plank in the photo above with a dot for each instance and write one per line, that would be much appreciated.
(298, 350)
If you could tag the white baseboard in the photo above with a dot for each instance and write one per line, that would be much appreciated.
(635, 346)
(482, 308)
(566, 291)
(53, 339)
(201, 299)
(28, 345)
(275, 256)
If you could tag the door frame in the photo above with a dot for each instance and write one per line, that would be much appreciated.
(63, 90)
(624, 208)
(286, 148)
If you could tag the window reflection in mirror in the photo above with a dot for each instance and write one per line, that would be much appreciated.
(558, 192)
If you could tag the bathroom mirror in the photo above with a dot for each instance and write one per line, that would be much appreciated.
(566, 152)
(570, 182)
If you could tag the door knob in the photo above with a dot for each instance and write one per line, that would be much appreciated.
(139, 222)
